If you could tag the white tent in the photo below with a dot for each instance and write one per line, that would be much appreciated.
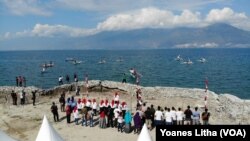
(47, 132)
(5, 137)
(144, 135)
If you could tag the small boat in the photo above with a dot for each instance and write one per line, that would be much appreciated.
(51, 64)
(178, 58)
(76, 62)
(189, 62)
(102, 62)
(202, 60)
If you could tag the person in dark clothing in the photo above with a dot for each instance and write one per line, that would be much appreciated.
(62, 103)
(148, 117)
(14, 97)
(110, 114)
(54, 110)
(137, 123)
(34, 97)
(124, 79)
(152, 110)
(188, 116)
(205, 117)
(68, 113)
(67, 78)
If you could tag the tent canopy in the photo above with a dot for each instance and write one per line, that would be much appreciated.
(47, 132)
(144, 135)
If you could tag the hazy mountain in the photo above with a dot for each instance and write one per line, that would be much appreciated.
(216, 35)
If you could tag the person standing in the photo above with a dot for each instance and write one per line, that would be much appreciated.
(188, 116)
(62, 102)
(205, 117)
(68, 113)
(124, 78)
(78, 91)
(22, 97)
(14, 97)
(34, 97)
(67, 78)
(179, 116)
(196, 116)
(54, 111)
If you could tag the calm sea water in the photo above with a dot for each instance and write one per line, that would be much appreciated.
(228, 70)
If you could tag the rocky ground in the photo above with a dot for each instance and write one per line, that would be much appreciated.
(23, 122)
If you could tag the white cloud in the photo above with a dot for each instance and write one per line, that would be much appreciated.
(224, 15)
(45, 30)
(24, 7)
(149, 18)
(143, 18)
(197, 45)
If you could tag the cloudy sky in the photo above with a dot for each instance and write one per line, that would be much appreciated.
(76, 18)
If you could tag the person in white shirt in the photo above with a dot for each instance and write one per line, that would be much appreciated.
(116, 113)
(179, 116)
(76, 115)
(94, 106)
(173, 113)
(196, 116)
(158, 116)
(116, 97)
(168, 117)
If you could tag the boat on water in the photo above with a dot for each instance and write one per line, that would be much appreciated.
(47, 65)
(178, 58)
(189, 62)
(102, 62)
(76, 62)
(202, 60)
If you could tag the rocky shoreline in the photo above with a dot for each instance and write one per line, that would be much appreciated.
(224, 108)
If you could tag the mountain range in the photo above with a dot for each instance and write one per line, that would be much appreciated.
(218, 35)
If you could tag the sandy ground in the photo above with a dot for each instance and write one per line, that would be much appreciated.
(23, 122)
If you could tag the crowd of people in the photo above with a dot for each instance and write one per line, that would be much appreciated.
(115, 113)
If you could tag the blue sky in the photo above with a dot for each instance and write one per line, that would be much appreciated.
(74, 18)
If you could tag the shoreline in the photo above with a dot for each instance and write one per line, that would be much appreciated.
(23, 122)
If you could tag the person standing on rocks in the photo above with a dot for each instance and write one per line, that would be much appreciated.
(54, 111)
(14, 97)
(67, 78)
(62, 102)
(34, 97)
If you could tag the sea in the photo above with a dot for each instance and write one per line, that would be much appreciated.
(227, 70)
